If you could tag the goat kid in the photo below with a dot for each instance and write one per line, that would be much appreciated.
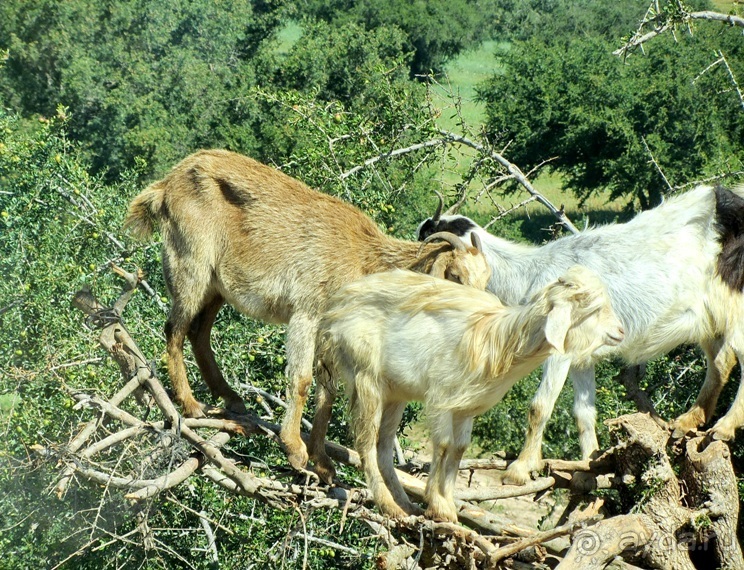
(399, 336)
(675, 275)
(237, 231)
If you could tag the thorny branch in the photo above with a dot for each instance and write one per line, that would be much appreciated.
(512, 170)
(658, 20)
(486, 540)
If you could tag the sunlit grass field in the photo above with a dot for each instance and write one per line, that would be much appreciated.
(455, 93)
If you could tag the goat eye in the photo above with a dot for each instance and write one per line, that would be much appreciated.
(452, 277)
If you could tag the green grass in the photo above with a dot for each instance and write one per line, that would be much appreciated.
(459, 81)
(727, 6)
(288, 36)
(455, 95)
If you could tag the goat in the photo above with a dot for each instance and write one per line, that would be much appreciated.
(399, 336)
(675, 275)
(237, 231)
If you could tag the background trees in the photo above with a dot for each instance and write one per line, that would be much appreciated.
(434, 31)
(100, 97)
(632, 126)
(146, 80)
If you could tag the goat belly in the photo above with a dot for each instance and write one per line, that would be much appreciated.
(259, 307)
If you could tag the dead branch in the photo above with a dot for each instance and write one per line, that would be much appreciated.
(661, 527)
(539, 538)
(601, 465)
(390, 154)
(484, 539)
(514, 171)
(662, 20)
(506, 491)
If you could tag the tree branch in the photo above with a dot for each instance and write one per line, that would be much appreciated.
(639, 456)
(663, 22)
(514, 171)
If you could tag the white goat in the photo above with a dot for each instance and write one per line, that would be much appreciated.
(674, 274)
(399, 336)
(237, 231)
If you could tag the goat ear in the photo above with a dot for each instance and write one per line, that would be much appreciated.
(439, 267)
(556, 326)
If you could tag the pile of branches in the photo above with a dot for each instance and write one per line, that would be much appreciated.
(680, 509)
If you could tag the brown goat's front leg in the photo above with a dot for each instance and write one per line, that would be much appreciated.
(300, 347)
(199, 332)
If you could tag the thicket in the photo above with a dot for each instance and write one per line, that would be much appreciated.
(637, 126)
(99, 97)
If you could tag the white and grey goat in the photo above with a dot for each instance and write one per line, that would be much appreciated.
(675, 275)
(240, 232)
(399, 336)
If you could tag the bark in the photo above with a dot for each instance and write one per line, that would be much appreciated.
(680, 501)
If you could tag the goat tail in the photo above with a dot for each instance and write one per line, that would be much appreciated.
(145, 210)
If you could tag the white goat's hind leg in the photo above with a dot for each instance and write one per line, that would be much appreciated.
(366, 411)
(300, 347)
(392, 413)
(585, 410)
(554, 375)
(725, 428)
(462, 429)
(721, 359)
(442, 439)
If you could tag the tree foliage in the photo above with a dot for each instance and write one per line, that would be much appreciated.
(633, 127)
(557, 20)
(99, 97)
(434, 30)
(149, 80)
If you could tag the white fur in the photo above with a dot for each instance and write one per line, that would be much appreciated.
(660, 269)
(400, 336)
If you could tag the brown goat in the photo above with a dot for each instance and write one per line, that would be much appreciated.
(237, 231)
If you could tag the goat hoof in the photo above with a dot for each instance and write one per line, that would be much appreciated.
(679, 433)
(688, 422)
(721, 434)
(325, 471)
(393, 512)
(195, 410)
(518, 473)
(307, 478)
(298, 460)
(213, 411)
(414, 510)
(441, 516)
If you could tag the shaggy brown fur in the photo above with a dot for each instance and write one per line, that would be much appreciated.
(237, 231)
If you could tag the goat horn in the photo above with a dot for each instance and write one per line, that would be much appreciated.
(438, 213)
(476, 241)
(452, 239)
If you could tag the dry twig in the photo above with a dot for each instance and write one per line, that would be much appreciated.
(486, 540)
